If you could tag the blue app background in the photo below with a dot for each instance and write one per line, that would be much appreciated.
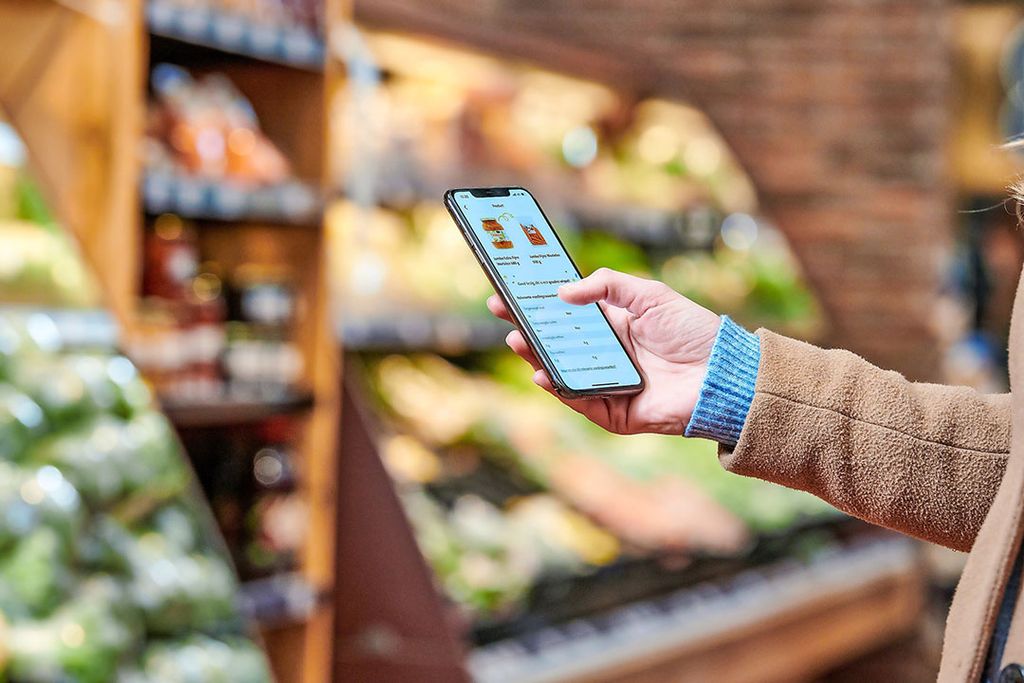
(578, 340)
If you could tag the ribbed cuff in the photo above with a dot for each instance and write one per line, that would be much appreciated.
(728, 388)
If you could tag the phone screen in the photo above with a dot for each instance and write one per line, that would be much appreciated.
(516, 239)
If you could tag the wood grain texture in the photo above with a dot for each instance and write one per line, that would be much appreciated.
(69, 86)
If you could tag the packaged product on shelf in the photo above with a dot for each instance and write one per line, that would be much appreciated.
(225, 480)
(209, 129)
(207, 338)
(274, 465)
(261, 363)
(276, 527)
(278, 518)
(159, 344)
(252, 478)
(261, 360)
(205, 334)
(263, 295)
(171, 260)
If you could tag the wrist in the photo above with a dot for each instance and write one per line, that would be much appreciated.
(727, 389)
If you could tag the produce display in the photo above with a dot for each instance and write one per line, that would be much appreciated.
(109, 569)
(449, 118)
(505, 487)
(411, 264)
(648, 187)
(38, 264)
(509, 492)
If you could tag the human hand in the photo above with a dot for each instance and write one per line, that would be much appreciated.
(668, 336)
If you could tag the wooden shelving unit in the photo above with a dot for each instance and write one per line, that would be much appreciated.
(288, 77)
(229, 413)
(79, 98)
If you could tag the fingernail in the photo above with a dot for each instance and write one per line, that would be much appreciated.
(538, 377)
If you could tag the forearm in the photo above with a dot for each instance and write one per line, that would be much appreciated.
(923, 459)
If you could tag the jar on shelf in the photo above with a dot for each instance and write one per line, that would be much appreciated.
(171, 258)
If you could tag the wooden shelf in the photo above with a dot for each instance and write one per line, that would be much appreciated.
(66, 329)
(281, 601)
(417, 332)
(837, 605)
(693, 228)
(232, 413)
(291, 203)
(286, 75)
(229, 35)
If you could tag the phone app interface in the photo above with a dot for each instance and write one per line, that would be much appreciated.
(532, 264)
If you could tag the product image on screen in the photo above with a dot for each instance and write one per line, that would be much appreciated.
(530, 261)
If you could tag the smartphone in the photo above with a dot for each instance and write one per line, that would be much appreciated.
(526, 263)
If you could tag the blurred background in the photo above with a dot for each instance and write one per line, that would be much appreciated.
(256, 423)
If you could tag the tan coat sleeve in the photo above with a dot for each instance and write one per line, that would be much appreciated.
(924, 459)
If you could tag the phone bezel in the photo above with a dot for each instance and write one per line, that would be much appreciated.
(479, 252)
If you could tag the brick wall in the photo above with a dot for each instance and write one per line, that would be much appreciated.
(837, 108)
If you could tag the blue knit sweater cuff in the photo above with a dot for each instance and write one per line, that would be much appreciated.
(728, 388)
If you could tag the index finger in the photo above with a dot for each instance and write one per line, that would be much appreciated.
(633, 293)
(496, 306)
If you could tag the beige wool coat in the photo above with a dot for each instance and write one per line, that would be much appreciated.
(945, 464)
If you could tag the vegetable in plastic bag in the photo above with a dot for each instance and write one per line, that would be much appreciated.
(21, 421)
(36, 576)
(36, 497)
(84, 641)
(202, 659)
(112, 461)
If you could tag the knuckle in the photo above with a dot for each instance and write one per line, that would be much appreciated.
(663, 290)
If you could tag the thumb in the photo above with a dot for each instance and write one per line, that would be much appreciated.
(633, 293)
